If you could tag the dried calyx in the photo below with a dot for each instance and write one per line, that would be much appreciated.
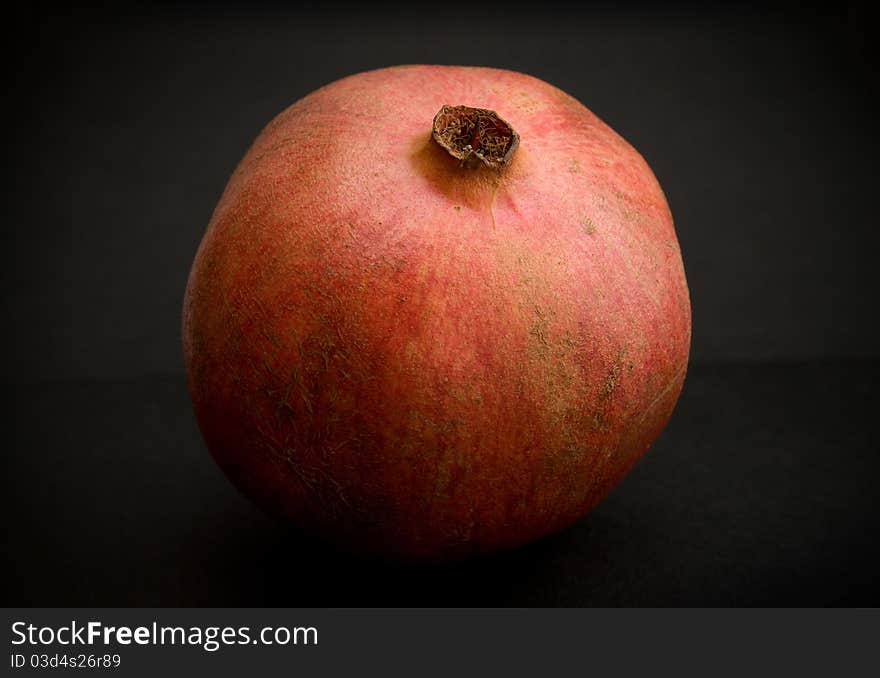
(475, 136)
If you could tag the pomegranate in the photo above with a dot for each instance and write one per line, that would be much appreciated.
(438, 311)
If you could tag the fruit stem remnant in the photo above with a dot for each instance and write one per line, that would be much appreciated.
(475, 136)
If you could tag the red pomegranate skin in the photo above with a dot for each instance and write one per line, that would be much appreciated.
(425, 361)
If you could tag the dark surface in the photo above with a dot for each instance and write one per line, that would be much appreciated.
(762, 491)
(759, 125)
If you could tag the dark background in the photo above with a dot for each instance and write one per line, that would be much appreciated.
(759, 124)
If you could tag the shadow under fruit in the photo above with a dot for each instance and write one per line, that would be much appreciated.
(427, 332)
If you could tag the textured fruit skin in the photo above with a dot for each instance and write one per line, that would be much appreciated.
(424, 361)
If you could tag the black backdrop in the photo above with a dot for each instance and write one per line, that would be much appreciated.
(759, 124)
